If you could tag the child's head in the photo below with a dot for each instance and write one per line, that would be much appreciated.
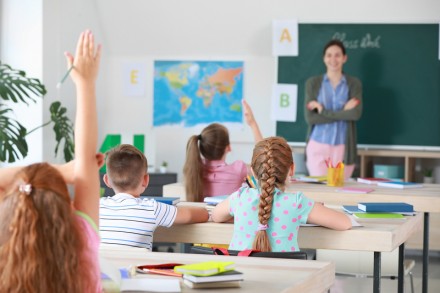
(126, 167)
(212, 144)
(40, 239)
(272, 161)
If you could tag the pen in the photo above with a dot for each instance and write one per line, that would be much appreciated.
(64, 77)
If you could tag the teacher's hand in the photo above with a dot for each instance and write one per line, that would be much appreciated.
(315, 105)
(353, 102)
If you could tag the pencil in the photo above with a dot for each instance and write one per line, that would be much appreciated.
(64, 77)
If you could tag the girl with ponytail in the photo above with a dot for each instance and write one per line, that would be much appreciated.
(267, 218)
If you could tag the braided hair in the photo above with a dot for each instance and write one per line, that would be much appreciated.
(271, 160)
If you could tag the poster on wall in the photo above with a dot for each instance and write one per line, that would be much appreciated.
(134, 77)
(285, 37)
(188, 93)
(284, 102)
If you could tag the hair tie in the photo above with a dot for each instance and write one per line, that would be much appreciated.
(199, 137)
(25, 188)
(262, 227)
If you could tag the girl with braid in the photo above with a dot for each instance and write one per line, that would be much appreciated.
(267, 218)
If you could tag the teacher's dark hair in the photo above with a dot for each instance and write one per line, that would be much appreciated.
(334, 43)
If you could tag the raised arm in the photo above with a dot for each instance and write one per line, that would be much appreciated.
(250, 120)
(86, 175)
(323, 216)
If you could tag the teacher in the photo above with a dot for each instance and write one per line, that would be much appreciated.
(333, 104)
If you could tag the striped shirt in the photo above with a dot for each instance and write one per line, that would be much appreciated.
(334, 100)
(130, 221)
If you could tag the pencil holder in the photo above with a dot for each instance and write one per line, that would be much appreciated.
(335, 176)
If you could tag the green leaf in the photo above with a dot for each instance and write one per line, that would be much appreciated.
(13, 144)
(16, 87)
(63, 128)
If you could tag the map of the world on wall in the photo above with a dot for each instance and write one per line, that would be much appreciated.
(197, 92)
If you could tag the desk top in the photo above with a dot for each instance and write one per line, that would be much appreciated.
(260, 274)
(424, 199)
(383, 235)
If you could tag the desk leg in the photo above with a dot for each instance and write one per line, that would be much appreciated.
(377, 273)
(425, 253)
(401, 273)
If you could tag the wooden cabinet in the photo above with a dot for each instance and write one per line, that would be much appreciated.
(155, 187)
(366, 160)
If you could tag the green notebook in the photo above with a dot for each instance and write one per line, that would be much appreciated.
(378, 216)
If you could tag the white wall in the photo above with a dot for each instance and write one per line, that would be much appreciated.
(21, 48)
(148, 30)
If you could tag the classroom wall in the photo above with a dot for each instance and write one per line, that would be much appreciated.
(144, 31)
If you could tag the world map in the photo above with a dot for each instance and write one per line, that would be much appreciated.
(197, 92)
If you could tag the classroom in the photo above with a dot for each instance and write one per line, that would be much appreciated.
(35, 34)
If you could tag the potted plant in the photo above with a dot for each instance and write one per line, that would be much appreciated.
(163, 167)
(15, 87)
(428, 175)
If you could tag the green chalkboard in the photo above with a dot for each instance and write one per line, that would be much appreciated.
(399, 67)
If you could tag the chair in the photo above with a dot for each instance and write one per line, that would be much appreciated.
(291, 255)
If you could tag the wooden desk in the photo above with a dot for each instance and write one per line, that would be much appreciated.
(260, 275)
(376, 236)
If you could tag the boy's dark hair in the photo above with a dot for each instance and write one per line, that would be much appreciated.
(126, 166)
(334, 42)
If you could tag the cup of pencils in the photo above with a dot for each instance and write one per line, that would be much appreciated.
(335, 174)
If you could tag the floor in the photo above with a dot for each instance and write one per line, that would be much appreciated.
(346, 284)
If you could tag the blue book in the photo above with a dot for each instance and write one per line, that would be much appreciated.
(385, 207)
(214, 200)
(352, 209)
(167, 200)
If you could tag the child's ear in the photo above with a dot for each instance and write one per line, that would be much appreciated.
(228, 149)
(107, 181)
(145, 180)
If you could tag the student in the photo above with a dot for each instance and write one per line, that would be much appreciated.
(333, 104)
(268, 218)
(48, 243)
(126, 219)
(205, 170)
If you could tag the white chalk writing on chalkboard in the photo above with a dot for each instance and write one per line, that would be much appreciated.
(365, 42)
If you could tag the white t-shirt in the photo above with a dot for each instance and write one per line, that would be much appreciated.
(130, 221)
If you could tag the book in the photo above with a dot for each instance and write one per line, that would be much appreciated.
(226, 276)
(385, 207)
(378, 216)
(352, 209)
(398, 184)
(214, 200)
(354, 190)
(167, 200)
(166, 269)
(207, 268)
(225, 284)
(372, 180)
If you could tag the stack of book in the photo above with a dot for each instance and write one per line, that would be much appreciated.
(211, 274)
(380, 210)
(167, 200)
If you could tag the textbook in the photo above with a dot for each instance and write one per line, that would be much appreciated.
(207, 268)
(225, 284)
(372, 180)
(398, 184)
(378, 216)
(226, 276)
(214, 200)
(167, 200)
(354, 190)
(385, 207)
(352, 209)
